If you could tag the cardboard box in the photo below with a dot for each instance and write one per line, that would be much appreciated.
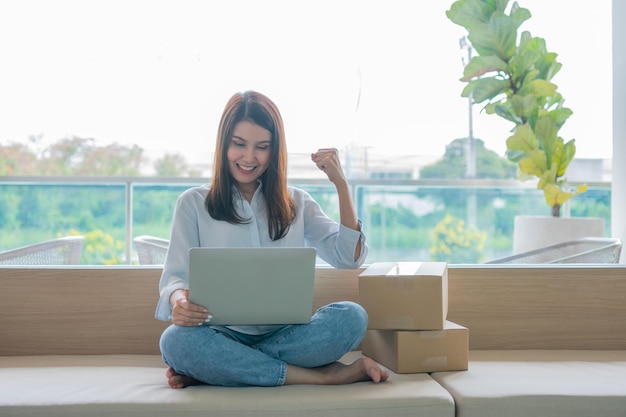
(421, 350)
(405, 295)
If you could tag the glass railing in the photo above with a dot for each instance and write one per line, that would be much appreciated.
(461, 221)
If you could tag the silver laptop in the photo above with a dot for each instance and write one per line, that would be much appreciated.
(253, 286)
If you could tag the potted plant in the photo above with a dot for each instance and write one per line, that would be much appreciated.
(512, 75)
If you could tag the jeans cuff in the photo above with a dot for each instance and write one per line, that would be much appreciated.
(282, 374)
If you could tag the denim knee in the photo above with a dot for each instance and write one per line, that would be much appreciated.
(357, 314)
(354, 319)
(173, 345)
(165, 343)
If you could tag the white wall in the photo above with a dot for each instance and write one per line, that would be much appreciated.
(618, 191)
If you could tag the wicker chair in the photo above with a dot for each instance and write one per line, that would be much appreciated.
(585, 250)
(62, 251)
(151, 250)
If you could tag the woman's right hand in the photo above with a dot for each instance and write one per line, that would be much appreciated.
(186, 313)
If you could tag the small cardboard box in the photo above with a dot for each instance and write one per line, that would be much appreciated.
(421, 350)
(405, 295)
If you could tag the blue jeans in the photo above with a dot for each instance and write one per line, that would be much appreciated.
(219, 356)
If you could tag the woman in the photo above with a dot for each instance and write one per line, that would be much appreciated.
(248, 203)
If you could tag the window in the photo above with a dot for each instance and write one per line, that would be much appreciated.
(377, 79)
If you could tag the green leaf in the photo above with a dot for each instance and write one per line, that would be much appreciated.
(547, 177)
(481, 65)
(550, 67)
(546, 63)
(491, 31)
(499, 37)
(560, 116)
(526, 51)
(515, 155)
(524, 106)
(546, 132)
(485, 88)
(535, 163)
(504, 112)
(496, 38)
(556, 196)
(468, 13)
(567, 154)
(543, 88)
(523, 139)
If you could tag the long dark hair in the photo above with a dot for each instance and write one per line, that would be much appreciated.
(281, 209)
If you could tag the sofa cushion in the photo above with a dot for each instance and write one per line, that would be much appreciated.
(539, 383)
(135, 385)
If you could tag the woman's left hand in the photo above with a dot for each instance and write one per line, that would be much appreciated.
(327, 160)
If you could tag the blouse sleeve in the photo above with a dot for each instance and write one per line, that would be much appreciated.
(335, 243)
(184, 235)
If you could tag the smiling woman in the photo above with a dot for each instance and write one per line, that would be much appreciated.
(249, 205)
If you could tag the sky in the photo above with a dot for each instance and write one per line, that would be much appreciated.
(379, 74)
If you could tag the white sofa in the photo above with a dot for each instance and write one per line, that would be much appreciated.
(543, 342)
(554, 383)
(134, 385)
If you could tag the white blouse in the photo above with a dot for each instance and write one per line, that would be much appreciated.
(192, 226)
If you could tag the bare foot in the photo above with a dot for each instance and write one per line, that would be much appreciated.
(176, 380)
(363, 369)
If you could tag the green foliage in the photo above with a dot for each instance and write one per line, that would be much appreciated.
(395, 230)
(514, 78)
(454, 241)
(153, 208)
(396, 227)
(398, 220)
(71, 156)
(78, 156)
(100, 248)
(50, 210)
(453, 164)
(171, 165)
(393, 216)
(327, 200)
(9, 212)
(17, 159)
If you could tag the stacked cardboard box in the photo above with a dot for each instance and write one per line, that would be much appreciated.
(408, 330)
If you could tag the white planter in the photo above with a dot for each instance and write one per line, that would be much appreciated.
(533, 232)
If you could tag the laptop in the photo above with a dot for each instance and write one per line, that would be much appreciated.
(253, 286)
